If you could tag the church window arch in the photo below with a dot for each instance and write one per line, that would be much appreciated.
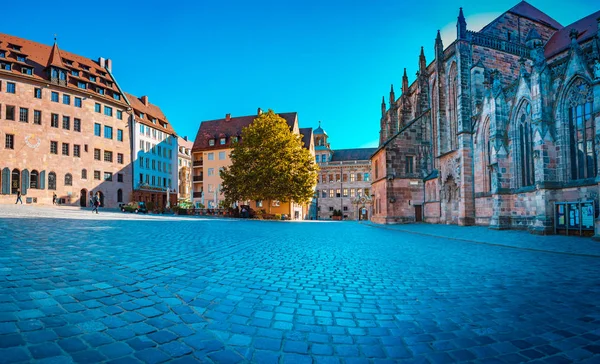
(579, 104)
(486, 155)
(453, 106)
(524, 148)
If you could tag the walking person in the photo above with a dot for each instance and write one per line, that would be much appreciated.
(92, 199)
(96, 202)
(54, 198)
(19, 197)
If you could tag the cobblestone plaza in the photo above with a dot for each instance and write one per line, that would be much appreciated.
(81, 288)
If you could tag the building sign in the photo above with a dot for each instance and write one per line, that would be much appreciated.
(574, 216)
(587, 215)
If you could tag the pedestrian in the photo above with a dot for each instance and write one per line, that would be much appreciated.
(19, 197)
(96, 203)
(92, 199)
(54, 198)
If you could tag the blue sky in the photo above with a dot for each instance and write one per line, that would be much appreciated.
(328, 60)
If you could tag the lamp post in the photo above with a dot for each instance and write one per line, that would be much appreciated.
(317, 205)
(342, 190)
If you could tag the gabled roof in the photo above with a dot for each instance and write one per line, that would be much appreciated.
(354, 154)
(307, 137)
(210, 129)
(561, 40)
(150, 111)
(55, 57)
(529, 11)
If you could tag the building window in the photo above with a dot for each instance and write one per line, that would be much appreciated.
(154, 165)
(120, 158)
(116, 96)
(77, 102)
(324, 193)
(97, 154)
(525, 152)
(108, 131)
(108, 156)
(119, 114)
(66, 123)
(338, 193)
(486, 160)
(345, 191)
(82, 85)
(359, 176)
(581, 131)
(97, 129)
(97, 175)
(11, 88)
(65, 148)
(37, 93)
(66, 99)
(107, 176)
(351, 177)
(108, 111)
(68, 179)
(211, 156)
(452, 106)
(92, 78)
(76, 125)
(9, 141)
(54, 96)
(100, 90)
(84, 174)
(37, 117)
(76, 150)
(211, 172)
(97, 107)
(331, 193)
(75, 73)
(52, 181)
(352, 192)
(53, 147)
(211, 142)
(54, 120)
(10, 112)
(222, 156)
(23, 115)
(408, 167)
(367, 177)
(222, 141)
(26, 70)
(33, 179)
(345, 177)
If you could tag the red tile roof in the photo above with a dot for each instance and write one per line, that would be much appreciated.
(212, 129)
(561, 40)
(39, 56)
(527, 10)
(151, 111)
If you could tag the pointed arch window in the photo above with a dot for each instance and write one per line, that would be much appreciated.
(486, 157)
(453, 106)
(525, 146)
(52, 181)
(68, 179)
(581, 129)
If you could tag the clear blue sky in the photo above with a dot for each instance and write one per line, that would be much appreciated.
(329, 60)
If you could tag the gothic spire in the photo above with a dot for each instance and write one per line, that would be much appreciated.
(404, 83)
(422, 61)
(392, 95)
(461, 26)
(383, 105)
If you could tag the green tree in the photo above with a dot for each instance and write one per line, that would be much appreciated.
(269, 163)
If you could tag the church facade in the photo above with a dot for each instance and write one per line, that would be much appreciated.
(500, 130)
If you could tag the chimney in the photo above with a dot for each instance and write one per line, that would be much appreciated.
(109, 64)
(227, 117)
(259, 112)
(185, 138)
(102, 62)
(145, 100)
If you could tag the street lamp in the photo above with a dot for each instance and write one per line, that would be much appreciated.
(342, 190)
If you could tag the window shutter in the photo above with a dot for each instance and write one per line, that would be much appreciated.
(5, 181)
(24, 181)
(42, 180)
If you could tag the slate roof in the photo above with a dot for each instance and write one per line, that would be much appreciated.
(561, 40)
(218, 128)
(307, 137)
(358, 154)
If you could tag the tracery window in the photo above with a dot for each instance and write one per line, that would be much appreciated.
(452, 106)
(486, 158)
(525, 140)
(581, 129)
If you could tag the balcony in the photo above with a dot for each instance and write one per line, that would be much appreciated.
(198, 178)
(197, 194)
(197, 164)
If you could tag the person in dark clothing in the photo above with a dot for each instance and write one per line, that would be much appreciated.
(96, 203)
(19, 197)
(54, 198)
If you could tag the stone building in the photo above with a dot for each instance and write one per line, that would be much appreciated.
(185, 168)
(211, 153)
(503, 124)
(155, 154)
(64, 127)
(344, 181)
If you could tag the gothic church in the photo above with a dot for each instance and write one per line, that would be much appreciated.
(499, 130)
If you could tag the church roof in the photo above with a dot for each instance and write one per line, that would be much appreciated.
(561, 40)
(355, 154)
(527, 10)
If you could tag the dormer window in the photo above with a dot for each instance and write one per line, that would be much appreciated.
(15, 47)
(141, 115)
(211, 142)
(6, 66)
(92, 78)
(2, 54)
(21, 58)
(108, 83)
(67, 62)
(100, 90)
(75, 73)
(62, 75)
(234, 139)
(85, 67)
(116, 96)
(26, 70)
(101, 73)
(222, 141)
(82, 85)
(153, 121)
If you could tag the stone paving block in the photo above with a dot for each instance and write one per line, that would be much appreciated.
(71, 345)
(152, 356)
(45, 350)
(14, 355)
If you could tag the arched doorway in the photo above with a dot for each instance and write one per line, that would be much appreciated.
(83, 198)
(101, 198)
(15, 181)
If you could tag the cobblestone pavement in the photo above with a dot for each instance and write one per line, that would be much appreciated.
(122, 288)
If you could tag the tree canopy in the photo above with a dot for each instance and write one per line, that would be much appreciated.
(269, 163)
